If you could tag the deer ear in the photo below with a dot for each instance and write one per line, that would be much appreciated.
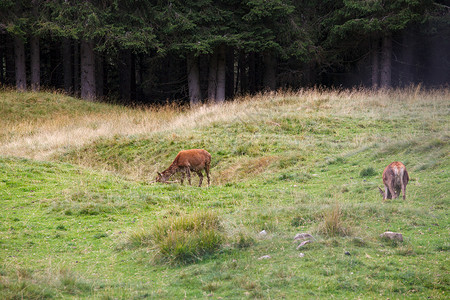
(159, 174)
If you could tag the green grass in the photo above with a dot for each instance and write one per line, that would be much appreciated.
(86, 224)
(182, 239)
(38, 107)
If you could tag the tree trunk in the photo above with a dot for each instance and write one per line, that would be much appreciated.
(99, 78)
(9, 61)
(19, 54)
(252, 72)
(76, 68)
(88, 90)
(139, 77)
(212, 77)
(407, 54)
(312, 73)
(386, 64)
(221, 74)
(270, 74)
(193, 79)
(35, 64)
(35, 53)
(127, 76)
(133, 76)
(243, 79)
(229, 93)
(375, 64)
(67, 65)
(2, 58)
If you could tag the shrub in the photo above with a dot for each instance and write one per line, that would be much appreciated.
(332, 224)
(136, 239)
(367, 172)
(187, 238)
(244, 241)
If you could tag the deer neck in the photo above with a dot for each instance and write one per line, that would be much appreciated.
(170, 170)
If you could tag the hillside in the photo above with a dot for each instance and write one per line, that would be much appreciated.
(81, 219)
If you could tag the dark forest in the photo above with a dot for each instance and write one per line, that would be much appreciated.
(149, 52)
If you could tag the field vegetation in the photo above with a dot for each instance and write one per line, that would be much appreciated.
(80, 218)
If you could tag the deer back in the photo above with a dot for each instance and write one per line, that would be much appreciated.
(395, 173)
(196, 159)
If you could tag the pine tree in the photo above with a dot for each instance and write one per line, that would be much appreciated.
(107, 27)
(200, 29)
(350, 23)
(16, 22)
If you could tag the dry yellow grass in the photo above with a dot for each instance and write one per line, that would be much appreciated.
(332, 223)
(42, 139)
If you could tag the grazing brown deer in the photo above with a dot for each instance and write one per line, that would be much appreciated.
(395, 178)
(186, 161)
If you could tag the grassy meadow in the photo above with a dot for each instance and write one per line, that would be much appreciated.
(80, 218)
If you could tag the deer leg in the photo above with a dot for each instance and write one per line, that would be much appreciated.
(392, 190)
(200, 176)
(188, 173)
(403, 186)
(207, 173)
(387, 194)
(182, 176)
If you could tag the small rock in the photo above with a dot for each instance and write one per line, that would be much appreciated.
(265, 257)
(301, 254)
(302, 236)
(347, 253)
(303, 243)
(392, 236)
(263, 233)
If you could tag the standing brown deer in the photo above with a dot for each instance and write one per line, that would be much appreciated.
(186, 161)
(395, 178)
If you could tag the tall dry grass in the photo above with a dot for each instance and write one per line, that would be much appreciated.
(181, 239)
(332, 223)
(43, 138)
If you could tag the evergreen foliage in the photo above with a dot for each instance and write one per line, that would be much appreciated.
(257, 43)
(357, 18)
(113, 24)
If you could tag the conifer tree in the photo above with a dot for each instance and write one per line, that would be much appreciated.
(16, 19)
(198, 29)
(351, 23)
(107, 27)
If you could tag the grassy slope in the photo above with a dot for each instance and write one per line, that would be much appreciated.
(280, 163)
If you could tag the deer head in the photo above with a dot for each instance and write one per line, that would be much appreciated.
(162, 177)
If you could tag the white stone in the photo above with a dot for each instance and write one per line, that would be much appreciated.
(265, 257)
(392, 236)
